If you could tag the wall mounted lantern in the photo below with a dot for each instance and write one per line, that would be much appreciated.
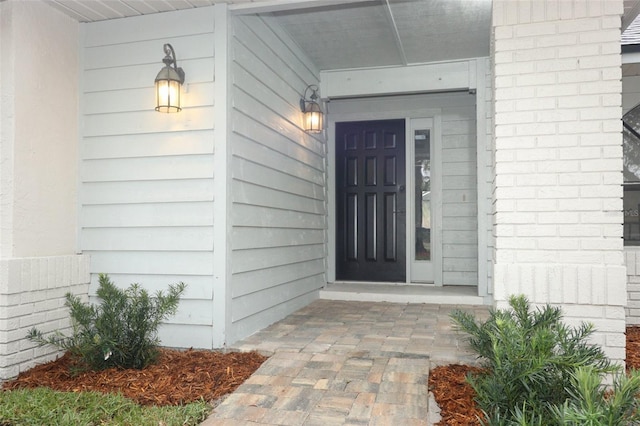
(168, 83)
(311, 109)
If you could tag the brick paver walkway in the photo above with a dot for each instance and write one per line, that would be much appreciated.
(347, 363)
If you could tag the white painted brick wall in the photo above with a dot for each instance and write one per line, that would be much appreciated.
(557, 194)
(32, 294)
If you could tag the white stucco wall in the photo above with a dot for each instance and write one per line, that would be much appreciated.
(38, 170)
(7, 96)
(39, 130)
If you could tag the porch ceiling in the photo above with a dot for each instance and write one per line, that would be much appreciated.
(341, 34)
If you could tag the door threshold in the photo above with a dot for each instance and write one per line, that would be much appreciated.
(402, 293)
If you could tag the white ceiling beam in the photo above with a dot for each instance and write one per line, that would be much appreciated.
(268, 6)
(396, 34)
(424, 78)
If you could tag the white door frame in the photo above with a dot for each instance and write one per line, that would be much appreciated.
(420, 271)
(396, 107)
(471, 74)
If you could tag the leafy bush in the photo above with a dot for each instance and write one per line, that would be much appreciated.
(119, 332)
(593, 404)
(532, 358)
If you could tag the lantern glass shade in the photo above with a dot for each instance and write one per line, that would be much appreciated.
(313, 118)
(168, 90)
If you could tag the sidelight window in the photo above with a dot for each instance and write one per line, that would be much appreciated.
(422, 197)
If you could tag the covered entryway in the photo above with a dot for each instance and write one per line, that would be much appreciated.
(235, 198)
(443, 188)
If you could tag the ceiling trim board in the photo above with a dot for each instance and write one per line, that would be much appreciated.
(396, 33)
(268, 6)
(436, 77)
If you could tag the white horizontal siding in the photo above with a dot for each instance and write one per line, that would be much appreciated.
(245, 215)
(160, 26)
(254, 238)
(147, 179)
(278, 213)
(266, 258)
(148, 168)
(250, 282)
(145, 51)
(128, 192)
(191, 326)
(459, 194)
(174, 335)
(246, 326)
(137, 98)
(136, 76)
(147, 214)
(273, 160)
(265, 299)
(141, 145)
(283, 141)
(142, 263)
(158, 238)
(301, 183)
(199, 287)
(259, 195)
(136, 122)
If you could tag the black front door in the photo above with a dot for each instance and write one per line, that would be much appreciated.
(370, 201)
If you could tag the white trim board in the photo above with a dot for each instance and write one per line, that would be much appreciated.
(423, 78)
(268, 6)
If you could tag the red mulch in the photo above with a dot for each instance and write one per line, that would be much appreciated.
(633, 347)
(455, 397)
(178, 377)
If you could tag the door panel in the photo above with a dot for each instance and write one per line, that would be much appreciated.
(370, 201)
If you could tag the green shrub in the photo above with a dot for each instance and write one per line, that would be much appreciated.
(531, 358)
(593, 404)
(121, 331)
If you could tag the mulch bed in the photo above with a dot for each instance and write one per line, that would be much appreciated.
(455, 397)
(633, 347)
(179, 377)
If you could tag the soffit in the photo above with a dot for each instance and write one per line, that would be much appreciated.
(353, 34)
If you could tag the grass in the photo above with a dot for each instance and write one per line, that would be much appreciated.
(45, 406)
